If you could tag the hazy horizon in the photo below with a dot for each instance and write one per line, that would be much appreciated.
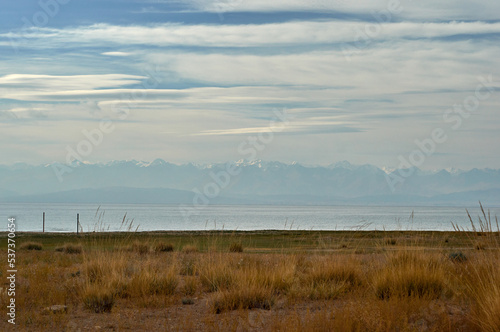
(384, 168)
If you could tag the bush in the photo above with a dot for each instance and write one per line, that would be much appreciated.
(236, 247)
(163, 247)
(31, 246)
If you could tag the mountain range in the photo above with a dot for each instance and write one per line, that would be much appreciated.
(244, 182)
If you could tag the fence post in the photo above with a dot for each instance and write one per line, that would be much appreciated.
(43, 222)
(77, 222)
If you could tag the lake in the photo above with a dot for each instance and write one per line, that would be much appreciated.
(62, 217)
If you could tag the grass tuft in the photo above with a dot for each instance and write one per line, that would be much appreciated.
(189, 249)
(410, 274)
(31, 246)
(236, 247)
(70, 248)
(163, 247)
(140, 247)
(98, 299)
(243, 298)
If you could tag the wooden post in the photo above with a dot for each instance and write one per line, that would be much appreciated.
(77, 222)
(44, 222)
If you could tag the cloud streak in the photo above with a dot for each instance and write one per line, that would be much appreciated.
(251, 35)
(424, 9)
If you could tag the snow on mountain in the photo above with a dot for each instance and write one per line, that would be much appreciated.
(256, 178)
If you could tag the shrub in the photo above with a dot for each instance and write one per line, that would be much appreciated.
(31, 246)
(163, 247)
(236, 247)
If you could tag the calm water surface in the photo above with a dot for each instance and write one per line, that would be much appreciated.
(62, 217)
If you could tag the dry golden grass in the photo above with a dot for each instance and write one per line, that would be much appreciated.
(484, 290)
(393, 288)
(191, 285)
(249, 297)
(31, 246)
(189, 248)
(163, 247)
(70, 248)
(410, 274)
(98, 298)
(236, 247)
(139, 247)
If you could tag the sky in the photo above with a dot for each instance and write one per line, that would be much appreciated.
(389, 83)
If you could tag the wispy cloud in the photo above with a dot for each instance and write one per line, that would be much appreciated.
(252, 35)
(220, 75)
(117, 53)
(424, 9)
(53, 83)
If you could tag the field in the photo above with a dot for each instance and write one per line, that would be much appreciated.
(256, 281)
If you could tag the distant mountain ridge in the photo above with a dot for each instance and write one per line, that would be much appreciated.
(250, 182)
